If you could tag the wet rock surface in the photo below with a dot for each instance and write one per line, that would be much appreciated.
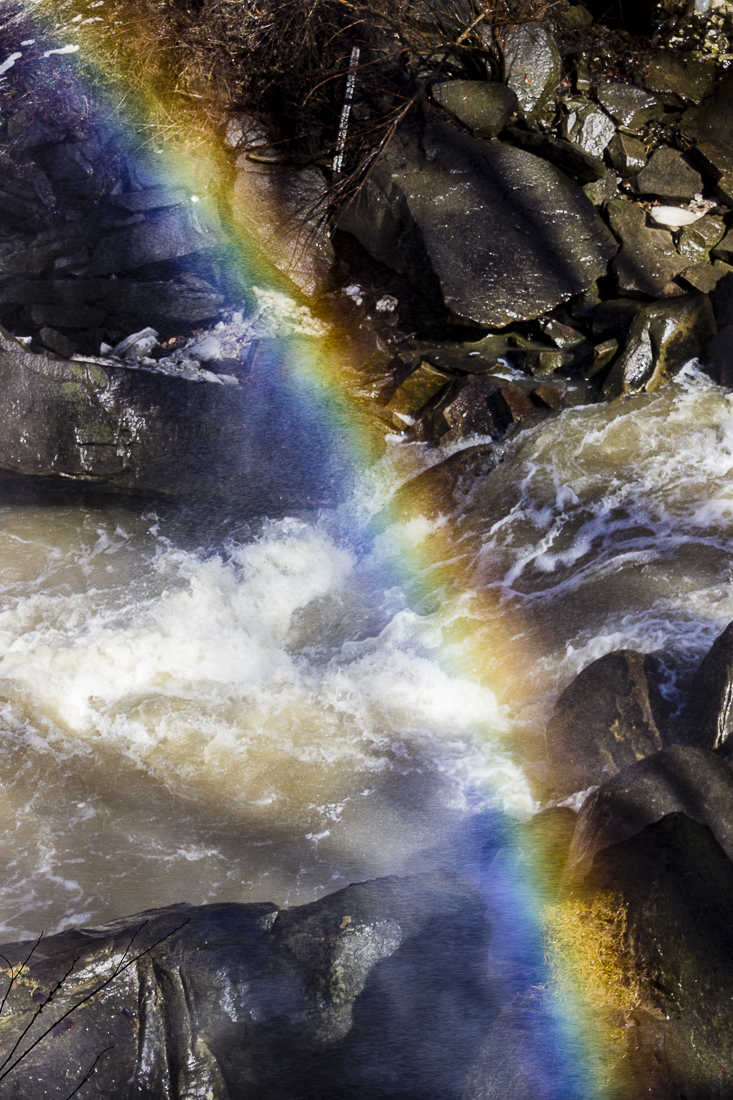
(602, 723)
(379, 989)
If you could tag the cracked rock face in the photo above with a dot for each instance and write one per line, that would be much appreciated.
(379, 983)
(508, 235)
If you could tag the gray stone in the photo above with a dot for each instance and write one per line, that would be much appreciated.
(380, 983)
(668, 176)
(602, 722)
(484, 107)
(172, 234)
(600, 192)
(531, 65)
(723, 249)
(696, 240)
(285, 211)
(589, 127)
(662, 338)
(507, 234)
(125, 430)
(666, 75)
(713, 157)
(705, 276)
(681, 778)
(648, 260)
(66, 298)
(628, 155)
(570, 158)
(631, 107)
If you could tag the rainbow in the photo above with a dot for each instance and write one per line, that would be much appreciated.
(568, 1049)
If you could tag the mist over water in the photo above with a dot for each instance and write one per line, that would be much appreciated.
(197, 711)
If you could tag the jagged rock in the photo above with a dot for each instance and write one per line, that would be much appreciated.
(600, 192)
(628, 155)
(708, 719)
(569, 158)
(681, 778)
(152, 301)
(668, 176)
(696, 240)
(415, 392)
(589, 127)
(662, 338)
(666, 75)
(705, 276)
(713, 157)
(484, 107)
(648, 260)
(676, 886)
(612, 318)
(285, 211)
(377, 985)
(177, 232)
(713, 120)
(506, 233)
(531, 65)
(602, 722)
(631, 107)
(723, 249)
(125, 430)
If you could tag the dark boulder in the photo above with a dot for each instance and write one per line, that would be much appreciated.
(602, 722)
(680, 779)
(668, 176)
(708, 718)
(663, 337)
(631, 107)
(180, 231)
(508, 235)
(676, 885)
(125, 430)
(376, 991)
(531, 65)
(444, 486)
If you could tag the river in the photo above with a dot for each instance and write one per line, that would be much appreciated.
(282, 706)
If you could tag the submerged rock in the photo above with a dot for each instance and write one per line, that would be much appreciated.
(677, 779)
(507, 234)
(370, 988)
(602, 722)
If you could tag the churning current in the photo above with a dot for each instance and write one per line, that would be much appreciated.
(270, 712)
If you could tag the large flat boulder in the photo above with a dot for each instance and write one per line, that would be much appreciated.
(377, 990)
(507, 234)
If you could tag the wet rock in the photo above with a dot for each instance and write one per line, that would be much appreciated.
(569, 158)
(603, 190)
(124, 430)
(602, 722)
(152, 198)
(68, 298)
(444, 486)
(705, 276)
(415, 392)
(708, 719)
(483, 406)
(484, 107)
(648, 260)
(378, 984)
(676, 884)
(713, 157)
(679, 779)
(511, 1061)
(666, 75)
(531, 66)
(723, 249)
(612, 318)
(285, 211)
(718, 356)
(627, 154)
(172, 234)
(589, 127)
(713, 120)
(722, 299)
(698, 239)
(668, 176)
(662, 338)
(506, 233)
(631, 107)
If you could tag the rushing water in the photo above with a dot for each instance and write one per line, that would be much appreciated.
(198, 711)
